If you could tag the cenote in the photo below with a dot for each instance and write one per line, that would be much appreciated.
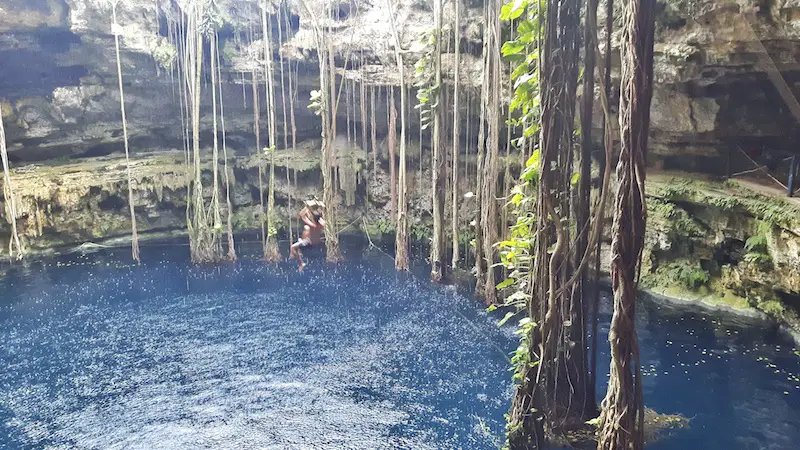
(586, 218)
(98, 353)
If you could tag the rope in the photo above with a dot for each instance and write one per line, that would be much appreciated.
(756, 164)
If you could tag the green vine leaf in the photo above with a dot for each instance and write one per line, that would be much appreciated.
(505, 283)
(511, 11)
(505, 319)
(512, 48)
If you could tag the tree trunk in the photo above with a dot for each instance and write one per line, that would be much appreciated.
(456, 138)
(391, 141)
(581, 291)
(229, 220)
(203, 239)
(480, 271)
(438, 182)
(257, 131)
(217, 219)
(401, 228)
(284, 117)
(271, 252)
(543, 407)
(292, 94)
(622, 417)
(363, 115)
(330, 194)
(488, 205)
(373, 134)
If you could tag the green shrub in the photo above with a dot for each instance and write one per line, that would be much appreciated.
(679, 190)
(685, 273)
(757, 243)
(772, 308)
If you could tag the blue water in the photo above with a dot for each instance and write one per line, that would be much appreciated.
(99, 354)
(738, 381)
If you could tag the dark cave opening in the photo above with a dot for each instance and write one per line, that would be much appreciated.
(112, 202)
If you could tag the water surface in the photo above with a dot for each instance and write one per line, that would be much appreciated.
(100, 354)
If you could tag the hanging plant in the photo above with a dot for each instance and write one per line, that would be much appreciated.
(425, 80)
(317, 105)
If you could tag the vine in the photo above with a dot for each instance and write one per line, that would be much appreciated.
(425, 80)
(547, 251)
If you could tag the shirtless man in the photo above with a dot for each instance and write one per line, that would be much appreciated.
(311, 215)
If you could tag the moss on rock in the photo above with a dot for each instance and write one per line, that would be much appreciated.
(722, 244)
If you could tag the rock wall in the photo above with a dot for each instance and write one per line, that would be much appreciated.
(83, 200)
(716, 66)
(720, 69)
(724, 243)
(58, 88)
(58, 80)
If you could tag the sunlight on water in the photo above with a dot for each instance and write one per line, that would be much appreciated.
(99, 354)
(249, 356)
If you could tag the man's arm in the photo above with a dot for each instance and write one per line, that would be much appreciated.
(305, 216)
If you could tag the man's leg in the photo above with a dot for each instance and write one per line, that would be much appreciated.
(793, 169)
(294, 252)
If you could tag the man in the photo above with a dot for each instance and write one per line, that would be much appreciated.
(311, 215)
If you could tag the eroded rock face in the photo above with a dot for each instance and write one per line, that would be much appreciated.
(85, 200)
(723, 242)
(58, 72)
(713, 89)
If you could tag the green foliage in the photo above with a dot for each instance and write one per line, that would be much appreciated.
(420, 231)
(774, 211)
(757, 247)
(425, 80)
(683, 272)
(682, 190)
(523, 53)
(772, 308)
(533, 168)
(465, 237)
(164, 53)
(725, 203)
(229, 50)
(757, 243)
(517, 250)
(522, 355)
(761, 260)
(513, 10)
(694, 278)
(214, 17)
(317, 102)
(383, 226)
(677, 220)
(771, 210)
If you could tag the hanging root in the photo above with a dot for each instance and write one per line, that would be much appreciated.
(622, 418)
